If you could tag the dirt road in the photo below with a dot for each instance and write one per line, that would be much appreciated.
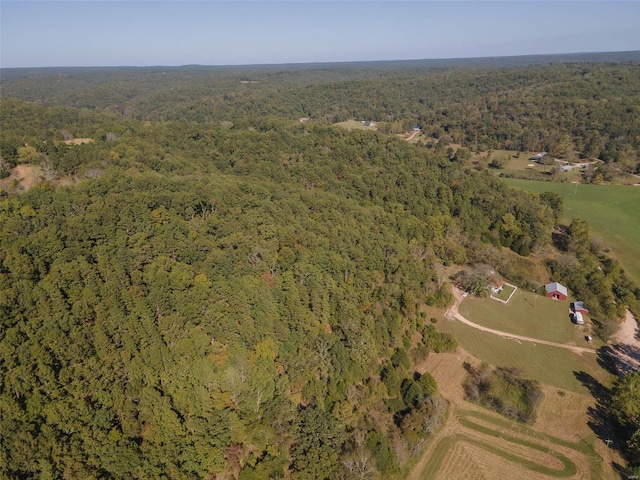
(453, 312)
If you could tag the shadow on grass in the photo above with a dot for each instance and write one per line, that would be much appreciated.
(619, 359)
(599, 420)
(624, 472)
(607, 359)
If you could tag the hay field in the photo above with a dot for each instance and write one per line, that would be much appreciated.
(480, 444)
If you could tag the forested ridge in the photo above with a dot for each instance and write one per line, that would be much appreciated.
(584, 106)
(211, 299)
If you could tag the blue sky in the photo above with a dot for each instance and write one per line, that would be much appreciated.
(99, 33)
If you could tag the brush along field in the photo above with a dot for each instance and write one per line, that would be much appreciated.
(611, 210)
(479, 444)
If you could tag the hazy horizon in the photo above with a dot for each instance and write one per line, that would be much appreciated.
(235, 33)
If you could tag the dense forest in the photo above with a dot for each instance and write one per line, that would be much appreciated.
(586, 107)
(235, 293)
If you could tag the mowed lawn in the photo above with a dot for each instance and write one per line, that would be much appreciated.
(527, 314)
(613, 212)
(553, 366)
(354, 125)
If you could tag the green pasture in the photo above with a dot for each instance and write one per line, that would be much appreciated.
(613, 212)
(527, 314)
(549, 365)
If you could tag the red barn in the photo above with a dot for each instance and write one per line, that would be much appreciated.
(557, 291)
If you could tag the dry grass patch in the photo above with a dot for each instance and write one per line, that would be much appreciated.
(25, 175)
(462, 462)
(563, 414)
(78, 141)
(491, 465)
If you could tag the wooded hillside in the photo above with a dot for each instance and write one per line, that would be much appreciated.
(188, 298)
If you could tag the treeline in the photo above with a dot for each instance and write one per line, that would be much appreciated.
(593, 277)
(623, 406)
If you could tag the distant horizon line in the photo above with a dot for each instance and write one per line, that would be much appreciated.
(334, 62)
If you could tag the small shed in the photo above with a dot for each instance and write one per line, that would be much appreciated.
(538, 156)
(578, 307)
(577, 317)
(556, 290)
(416, 128)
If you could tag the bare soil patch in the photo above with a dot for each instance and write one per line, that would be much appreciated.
(625, 347)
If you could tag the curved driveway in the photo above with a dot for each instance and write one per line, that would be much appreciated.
(453, 312)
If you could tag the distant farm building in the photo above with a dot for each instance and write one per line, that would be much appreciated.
(416, 128)
(578, 307)
(538, 156)
(368, 123)
(555, 290)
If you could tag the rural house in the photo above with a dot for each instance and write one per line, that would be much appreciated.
(578, 307)
(555, 290)
(538, 156)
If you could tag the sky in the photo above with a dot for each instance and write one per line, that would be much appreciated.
(164, 32)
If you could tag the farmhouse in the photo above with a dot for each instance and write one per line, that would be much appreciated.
(538, 156)
(555, 290)
(578, 307)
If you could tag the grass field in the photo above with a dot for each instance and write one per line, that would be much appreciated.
(354, 125)
(527, 314)
(476, 443)
(613, 211)
(485, 446)
(546, 364)
(504, 293)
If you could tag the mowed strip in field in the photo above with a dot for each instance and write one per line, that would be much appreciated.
(480, 444)
(613, 212)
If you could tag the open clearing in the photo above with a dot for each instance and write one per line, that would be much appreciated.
(78, 141)
(355, 125)
(611, 210)
(479, 444)
(549, 365)
(530, 315)
(23, 177)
